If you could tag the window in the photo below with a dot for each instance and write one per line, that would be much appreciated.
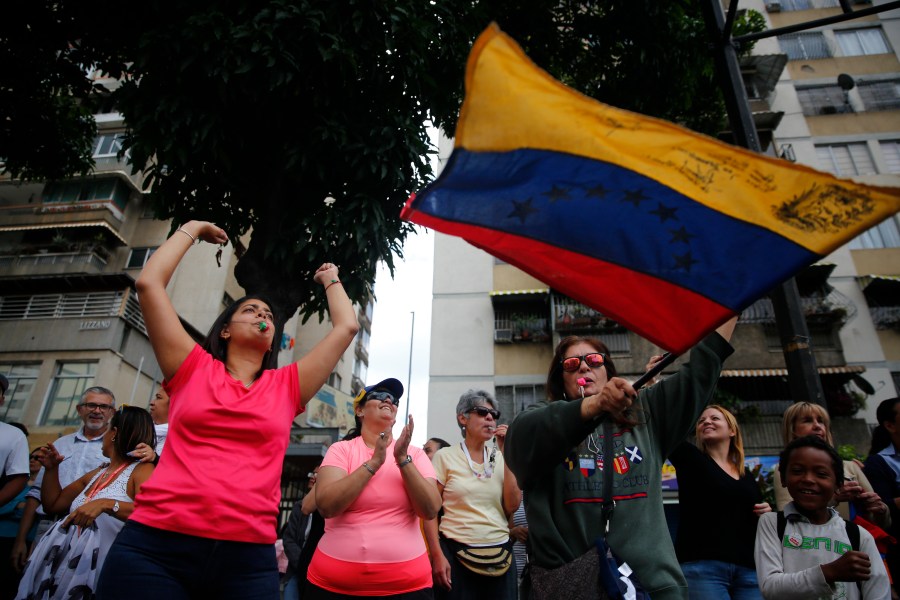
(107, 147)
(804, 46)
(884, 235)
(891, 152)
(513, 399)
(823, 100)
(21, 386)
(846, 160)
(880, 95)
(94, 190)
(861, 42)
(822, 336)
(360, 369)
(787, 5)
(69, 382)
(227, 300)
(335, 381)
(139, 257)
(364, 338)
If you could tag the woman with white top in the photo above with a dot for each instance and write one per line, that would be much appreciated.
(98, 504)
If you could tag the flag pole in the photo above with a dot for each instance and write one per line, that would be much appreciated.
(667, 359)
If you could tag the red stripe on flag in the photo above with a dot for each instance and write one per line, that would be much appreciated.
(670, 316)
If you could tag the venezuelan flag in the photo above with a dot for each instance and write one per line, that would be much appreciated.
(667, 231)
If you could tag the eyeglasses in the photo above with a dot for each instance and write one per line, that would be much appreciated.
(573, 363)
(382, 396)
(483, 411)
(92, 406)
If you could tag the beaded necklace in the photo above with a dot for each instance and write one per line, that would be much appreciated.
(488, 463)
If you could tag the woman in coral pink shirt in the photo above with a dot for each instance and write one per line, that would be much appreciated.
(372, 490)
(204, 525)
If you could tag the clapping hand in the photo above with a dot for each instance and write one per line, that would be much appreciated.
(401, 448)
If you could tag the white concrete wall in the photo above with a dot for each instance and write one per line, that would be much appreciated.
(462, 330)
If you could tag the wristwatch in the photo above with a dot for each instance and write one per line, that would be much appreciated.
(116, 507)
(405, 461)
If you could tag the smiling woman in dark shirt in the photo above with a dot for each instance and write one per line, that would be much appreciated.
(720, 504)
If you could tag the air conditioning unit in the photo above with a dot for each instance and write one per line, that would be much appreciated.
(773, 7)
(503, 336)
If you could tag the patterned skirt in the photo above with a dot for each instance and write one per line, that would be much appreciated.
(64, 565)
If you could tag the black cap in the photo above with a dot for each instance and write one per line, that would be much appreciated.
(390, 384)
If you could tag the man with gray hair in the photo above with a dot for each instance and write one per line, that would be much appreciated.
(82, 452)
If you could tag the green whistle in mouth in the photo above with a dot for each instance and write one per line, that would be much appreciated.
(263, 325)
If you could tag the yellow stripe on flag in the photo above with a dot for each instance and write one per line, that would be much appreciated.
(511, 104)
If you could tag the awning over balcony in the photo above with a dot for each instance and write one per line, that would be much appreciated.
(880, 290)
(103, 225)
(528, 296)
(845, 370)
(814, 278)
(763, 70)
(534, 292)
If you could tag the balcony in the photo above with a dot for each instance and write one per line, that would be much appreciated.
(362, 352)
(513, 327)
(27, 265)
(882, 294)
(571, 317)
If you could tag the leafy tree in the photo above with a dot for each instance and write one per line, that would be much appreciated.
(306, 119)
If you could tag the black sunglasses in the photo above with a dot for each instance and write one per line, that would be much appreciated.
(382, 396)
(92, 406)
(593, 360)
(484, 411)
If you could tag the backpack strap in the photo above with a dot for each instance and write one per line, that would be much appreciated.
(853, 534)
(782, 525)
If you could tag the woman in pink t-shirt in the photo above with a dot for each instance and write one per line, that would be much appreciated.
(372, 504)
(205, 524)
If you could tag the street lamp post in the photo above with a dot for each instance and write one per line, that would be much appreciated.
(412, 332)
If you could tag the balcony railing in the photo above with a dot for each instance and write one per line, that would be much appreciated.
(831, 308)
(520, 327)
(122, 304)
(571, 317)
(885, 317)
(51, 263)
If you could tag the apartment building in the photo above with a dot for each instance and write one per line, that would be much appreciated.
(70, 252)
(495, 327)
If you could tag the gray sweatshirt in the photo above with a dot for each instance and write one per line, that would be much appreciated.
(790, 569)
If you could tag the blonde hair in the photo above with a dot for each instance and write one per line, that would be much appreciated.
(801, 409)
(735, 445)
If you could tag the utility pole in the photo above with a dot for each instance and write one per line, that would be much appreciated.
(803, 377)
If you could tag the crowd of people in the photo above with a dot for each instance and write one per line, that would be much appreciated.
(181, 501)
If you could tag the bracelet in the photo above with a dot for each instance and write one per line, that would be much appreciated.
(368, 468)
(333, 281)
(193, 239)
